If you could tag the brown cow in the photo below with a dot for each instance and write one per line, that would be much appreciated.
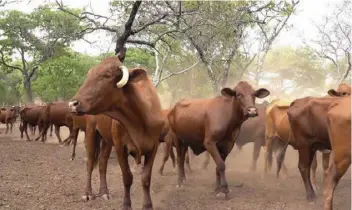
(130, 97)
(78, 123)
(58, 114)
(307, 119)
(252, 130)
(339, 128)
(32, 121)
(8, 116)
(29, 115)
(212, 125)
(342, 90)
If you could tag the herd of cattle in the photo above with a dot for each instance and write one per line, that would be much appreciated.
(120, 108)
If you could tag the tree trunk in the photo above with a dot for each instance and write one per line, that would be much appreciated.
(28, 87)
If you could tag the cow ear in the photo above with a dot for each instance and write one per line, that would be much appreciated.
(137, 74)
(261, 93)
(228, 92)
(333, 92)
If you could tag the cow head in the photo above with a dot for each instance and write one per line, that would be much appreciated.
(245, 96)
(342, 90)
(104, 87)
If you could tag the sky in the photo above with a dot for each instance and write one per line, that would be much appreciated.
(302, 23)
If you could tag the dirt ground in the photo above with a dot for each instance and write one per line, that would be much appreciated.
(39, 176)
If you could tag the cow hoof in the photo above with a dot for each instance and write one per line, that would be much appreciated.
(126, 208)
(72, 159)
(311, 199)
(106, 197)
(147, 207)
(221, 195)
(87, 197)
(316, 188)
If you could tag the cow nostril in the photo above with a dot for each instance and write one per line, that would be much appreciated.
(73, 103)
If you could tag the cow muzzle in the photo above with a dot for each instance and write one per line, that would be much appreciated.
(72, 105)
(252, 112)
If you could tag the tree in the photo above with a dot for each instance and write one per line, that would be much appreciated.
(34, 38)
(59, 78)
(334, 41)
(287, 69)
(218, 45)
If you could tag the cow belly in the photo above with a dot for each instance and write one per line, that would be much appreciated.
(197, 150)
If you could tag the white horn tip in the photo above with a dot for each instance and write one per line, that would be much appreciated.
(125, 76)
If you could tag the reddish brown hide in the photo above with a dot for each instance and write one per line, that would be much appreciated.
(30, 117)
(130, 97)
(307, 119)
(57, 114)
(252, 130)
(339, 128)
(212, 125)
(8, 116)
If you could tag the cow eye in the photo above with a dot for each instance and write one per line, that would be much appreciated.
(239, 95)
(344, 93)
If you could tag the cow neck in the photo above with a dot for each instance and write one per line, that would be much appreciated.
(138, 114)
(237, 115)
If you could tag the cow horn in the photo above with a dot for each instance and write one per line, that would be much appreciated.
(125, 76)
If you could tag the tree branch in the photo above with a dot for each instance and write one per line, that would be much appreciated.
(3, 62)
(128, 28)
(176, 73)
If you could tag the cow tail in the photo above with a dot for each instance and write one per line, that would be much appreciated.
(171, 116)
(281, 155)
(97, 142)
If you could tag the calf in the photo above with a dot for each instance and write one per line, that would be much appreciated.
(56, 114)
(212, 125)
(339, 128)
(8, 116)
(307, 119)
(130, 97)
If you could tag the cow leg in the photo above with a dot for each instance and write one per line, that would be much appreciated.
(74, 142)
(167, 148)
(92, 148)
(181, 153)
(7, 128)
(206, 160)
(11, 125)
(339, 163)
(187, 160)
(146, 177)
(172, 156)
(210, 145)
(313, 178)
(57, 133)
(256, 153)
(21, 130)
(325, 161)
(51, 130)
(122, 157)
(305, 161)
(25, 127)
(103, 164)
